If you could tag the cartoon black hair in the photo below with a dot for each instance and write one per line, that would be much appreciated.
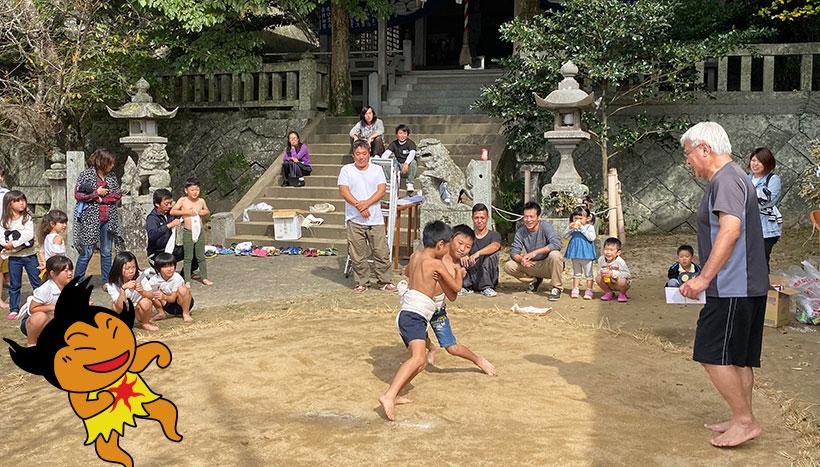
(72, 307)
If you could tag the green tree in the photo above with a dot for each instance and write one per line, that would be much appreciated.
(627, 55)
(790, 10)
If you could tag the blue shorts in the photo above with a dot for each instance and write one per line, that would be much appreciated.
(441, 326)
(412, 326)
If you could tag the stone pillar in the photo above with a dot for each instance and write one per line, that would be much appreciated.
(308, 82)
(75, 163)
(56, 180)
(223, 227)
(532, 190)
(806, 64)
(746, 73)
(480, 181)
(374, 95)
(407, 54)
(381, 67)
(723, 73)
(768, 73)
(420, 49)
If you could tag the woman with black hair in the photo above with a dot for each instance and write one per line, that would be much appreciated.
(370, 129)
(295, 161)
(769, 190)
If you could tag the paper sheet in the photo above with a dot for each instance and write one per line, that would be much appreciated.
(673, 296)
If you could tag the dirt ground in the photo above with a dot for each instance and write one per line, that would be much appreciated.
(264, 377)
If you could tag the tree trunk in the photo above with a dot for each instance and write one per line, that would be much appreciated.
(527, 8)
(340, 88)
(604, 144)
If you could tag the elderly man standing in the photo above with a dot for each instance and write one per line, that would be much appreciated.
(362, 186)
(729, 332)
(482, 262)
(535, 254)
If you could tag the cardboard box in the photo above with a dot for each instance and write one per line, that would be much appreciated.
(780, 304)
(287, 224)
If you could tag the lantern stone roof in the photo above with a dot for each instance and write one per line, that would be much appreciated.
(569, 94)
(142, 106)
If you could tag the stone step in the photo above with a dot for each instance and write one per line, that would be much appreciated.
(320, 180)
(308, 191)
(393, 120)
(475, 86)
(442, 129)
(333, 150)
(335, 217)
(414, 93)
(302, 202)
(446, 138)
(326, 170)
(443, 101)
(328, 231)
(439, 109)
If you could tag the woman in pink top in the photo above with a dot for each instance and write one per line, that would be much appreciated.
(295, 161)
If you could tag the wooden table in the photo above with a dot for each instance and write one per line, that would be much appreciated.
(412, 211)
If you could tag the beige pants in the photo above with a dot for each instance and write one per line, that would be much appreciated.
(551, 267)
(365, 241)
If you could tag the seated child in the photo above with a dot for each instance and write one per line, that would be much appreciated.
(459, 247)
(124, 284)
(683, 269)
(613, 273)
(424, 271)
(404, 151)
(166, 289)
(39, 308)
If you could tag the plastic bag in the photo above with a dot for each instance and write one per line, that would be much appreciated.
(807, 281)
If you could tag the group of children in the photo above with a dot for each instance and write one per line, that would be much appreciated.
(41, 253)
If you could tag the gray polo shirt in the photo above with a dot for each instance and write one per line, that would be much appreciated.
(745, 274)
(531, 241)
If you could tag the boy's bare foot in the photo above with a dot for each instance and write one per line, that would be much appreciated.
(431, 356)
(401, 400)
(149, 327)
(486, 366)
(207, 282)
(160, 316)
(737, 434)
(187, 317)
(4, 305)
(388, 405)
(718, 427)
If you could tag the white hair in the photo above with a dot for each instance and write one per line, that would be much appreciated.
(710, 133)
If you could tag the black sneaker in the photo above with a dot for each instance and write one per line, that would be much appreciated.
(533, 286)
(555, 294)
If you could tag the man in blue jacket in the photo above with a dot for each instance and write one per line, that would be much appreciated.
(160, 225)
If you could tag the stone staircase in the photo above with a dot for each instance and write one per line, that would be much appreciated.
(437, 92)
(464, 136)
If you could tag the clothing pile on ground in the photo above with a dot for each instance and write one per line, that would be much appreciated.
(249, 249)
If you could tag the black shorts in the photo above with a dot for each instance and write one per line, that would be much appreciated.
(412, 326)
(173, 308)
(730, 331)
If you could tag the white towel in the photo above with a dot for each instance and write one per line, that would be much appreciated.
(196, 227)
(172, 242)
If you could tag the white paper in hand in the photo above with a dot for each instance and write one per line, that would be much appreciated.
(673, 296)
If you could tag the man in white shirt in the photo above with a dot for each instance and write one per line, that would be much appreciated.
(362, 185)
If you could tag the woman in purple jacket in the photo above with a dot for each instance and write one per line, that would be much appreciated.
(295, 161)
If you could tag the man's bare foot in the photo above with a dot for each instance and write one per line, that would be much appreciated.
(160, 316)
(207, 282)
(187, 317)
(431, 356)
(149, 327)
(4, 305)
(718, 427)
(388, 405)
(401, 400)
(737, 434)
(486, 366)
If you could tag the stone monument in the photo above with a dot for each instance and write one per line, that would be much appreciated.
(566, 103)
(150, 171)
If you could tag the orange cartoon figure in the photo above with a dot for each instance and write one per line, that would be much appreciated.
(91, 353)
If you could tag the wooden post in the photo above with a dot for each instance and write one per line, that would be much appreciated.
(612, 201)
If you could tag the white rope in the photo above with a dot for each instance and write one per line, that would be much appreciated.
(517, 217)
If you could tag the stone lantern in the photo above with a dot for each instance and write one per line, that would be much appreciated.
(152, 164)
(566, 103)
(150, 172)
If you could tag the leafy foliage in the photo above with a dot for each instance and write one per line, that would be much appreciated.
(810, 182)
(790, 10)
(627, 55)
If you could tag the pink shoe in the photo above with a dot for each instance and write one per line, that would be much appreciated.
(12, 315)
(588, 294)
(575, 293)
(606, 297)
(622, 298)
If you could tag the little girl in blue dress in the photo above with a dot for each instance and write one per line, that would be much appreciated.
(581, 248)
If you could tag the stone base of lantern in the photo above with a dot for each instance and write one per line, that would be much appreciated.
(133, 212)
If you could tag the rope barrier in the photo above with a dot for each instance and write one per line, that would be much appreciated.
(518, 217)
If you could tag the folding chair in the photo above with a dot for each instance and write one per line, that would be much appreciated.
(393, 178)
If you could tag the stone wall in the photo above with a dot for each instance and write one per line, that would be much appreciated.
(226, 150)
(659, 191)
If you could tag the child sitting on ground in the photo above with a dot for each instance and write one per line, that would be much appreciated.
(166, 289)
(613, 273)
(39, 308)
(424, 271)
(50, 236)
(459, 247)
(124, 284)
(684, 268)
(404, 150)
(581, 249)
(192, 208)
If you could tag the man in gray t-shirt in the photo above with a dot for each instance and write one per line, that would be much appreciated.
(535, 254)
(729, 332)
